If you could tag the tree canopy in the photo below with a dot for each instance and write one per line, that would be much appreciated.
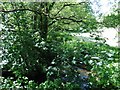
(48, 15)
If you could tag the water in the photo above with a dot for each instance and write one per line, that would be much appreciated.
(109, 34)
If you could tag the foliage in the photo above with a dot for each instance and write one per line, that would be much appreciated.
(70, 53)
(23, 83)
(105, 71)
(106, 76)
(36, 45)
(111, 20)
(100, 59)
(58, 85)
(28, 25)
(57, 16)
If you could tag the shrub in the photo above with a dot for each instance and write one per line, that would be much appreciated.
(106, 70)
(23, 83)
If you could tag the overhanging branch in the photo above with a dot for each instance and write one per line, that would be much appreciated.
(16, 10)
(64, 18)
(67, 18)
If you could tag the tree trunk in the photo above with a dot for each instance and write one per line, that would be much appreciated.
(44, 21)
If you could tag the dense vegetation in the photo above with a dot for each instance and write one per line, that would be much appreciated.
(39, 51)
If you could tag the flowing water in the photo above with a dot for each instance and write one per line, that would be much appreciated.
(109, 34)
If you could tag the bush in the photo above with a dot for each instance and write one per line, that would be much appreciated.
(105, 70)
(23, 83)
(57, 84)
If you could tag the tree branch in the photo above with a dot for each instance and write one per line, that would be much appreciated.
(52, 22)
(67, 18)
(64, 18)
(51, 5)
(16, 10)
(60, 10)
(68, 5)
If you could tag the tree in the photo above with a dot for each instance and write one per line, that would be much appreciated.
(113, 18)
(47, 15)
(28, 27)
